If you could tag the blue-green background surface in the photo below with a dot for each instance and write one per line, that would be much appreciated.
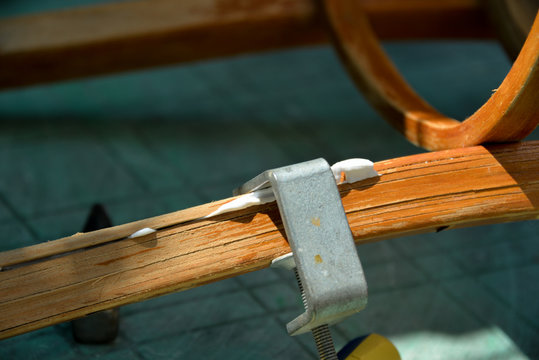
(151, 142)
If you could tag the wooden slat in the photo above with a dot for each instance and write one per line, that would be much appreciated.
(414, 194)
(137, 34)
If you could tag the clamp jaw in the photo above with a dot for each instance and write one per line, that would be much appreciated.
(322, 245)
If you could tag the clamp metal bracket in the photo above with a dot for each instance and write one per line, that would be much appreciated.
(321, 240)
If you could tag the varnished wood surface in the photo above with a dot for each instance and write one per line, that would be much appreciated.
(511, 113)
(414, 194)
(131, 35)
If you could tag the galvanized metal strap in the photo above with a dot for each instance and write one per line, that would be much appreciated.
(321, 241)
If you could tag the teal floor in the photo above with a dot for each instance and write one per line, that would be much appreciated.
(142, 143)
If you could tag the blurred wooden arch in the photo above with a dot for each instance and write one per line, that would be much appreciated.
(509, 115)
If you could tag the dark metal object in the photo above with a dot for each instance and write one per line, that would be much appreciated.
(100, 327)
(97, 328)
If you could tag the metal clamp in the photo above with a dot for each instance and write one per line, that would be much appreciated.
(321, 241)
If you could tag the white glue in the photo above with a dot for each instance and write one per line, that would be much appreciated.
(345, 172)
(353, 170)
(258, 197)
(141, 233)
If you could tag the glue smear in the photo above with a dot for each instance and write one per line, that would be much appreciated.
(345, 172)
(141, 233)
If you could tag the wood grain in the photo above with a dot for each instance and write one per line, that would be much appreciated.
(414, 194)
(138, 34)
(510, 114)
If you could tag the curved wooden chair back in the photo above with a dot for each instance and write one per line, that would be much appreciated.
(510, 114)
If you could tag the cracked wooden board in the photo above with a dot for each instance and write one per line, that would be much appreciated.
(414, 194)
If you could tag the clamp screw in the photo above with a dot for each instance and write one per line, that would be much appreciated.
(321, 334)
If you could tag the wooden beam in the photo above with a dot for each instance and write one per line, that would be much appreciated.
(414, 194)
(131, 35)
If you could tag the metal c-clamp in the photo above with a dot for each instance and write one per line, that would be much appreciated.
(321, 240)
